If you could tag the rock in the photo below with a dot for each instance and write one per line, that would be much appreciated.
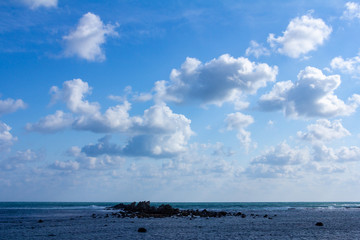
(238, 214)
(93, 215)
(142, 230)
(40, 221)
(265, 216)
(143, 206)
(319, 224)
(145, 210)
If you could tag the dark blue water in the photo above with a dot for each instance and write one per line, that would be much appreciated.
(28, 208)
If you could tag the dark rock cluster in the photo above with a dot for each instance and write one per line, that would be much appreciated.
(144, 210)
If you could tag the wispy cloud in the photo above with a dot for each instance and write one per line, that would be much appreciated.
(352, 11)
(33, 4)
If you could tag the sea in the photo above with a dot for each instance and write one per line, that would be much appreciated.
(39, 209)
(265, 220)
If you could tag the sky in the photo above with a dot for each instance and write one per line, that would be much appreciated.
(211, 101)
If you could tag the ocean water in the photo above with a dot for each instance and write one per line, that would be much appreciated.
(285, 220)
(38, 209)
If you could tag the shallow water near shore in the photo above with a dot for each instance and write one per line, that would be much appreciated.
(283, 221)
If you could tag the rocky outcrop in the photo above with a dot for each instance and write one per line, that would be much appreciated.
(145, 210)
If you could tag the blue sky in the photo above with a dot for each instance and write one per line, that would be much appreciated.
(179, 100)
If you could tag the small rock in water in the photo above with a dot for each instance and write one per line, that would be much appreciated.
(320, 224)
(40, 221)
(142, 229)
(51, 235)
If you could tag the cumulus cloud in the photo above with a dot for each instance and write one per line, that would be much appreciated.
(352, 11)
(286, 161)
(161, 133)
(158, 133)
(81, 161)
(224, 79)
(301, 36)
(342, 154)
(311, 96)
(10, 105)
(33, 4)
(66, 165)
(283, 154)
(257, 50)
(51, 123)
(238, 121)
(351, 153)
(6, 138)
(348, 66)
(102, 147)
(84, 115)
(73, 93)
(281, 161)
(88, 37)
(324, 130)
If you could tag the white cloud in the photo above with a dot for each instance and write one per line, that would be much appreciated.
(66, 165)
(324, 130)
(10, 105)
(257, 50)
(342, 154)
(20, 159)
(261, 170)
(6, 138)
(52, 123)
(352, 11)
(323, 153)
(85, 115)
(348, 66)
(73, 93)
(349, 154)
(33, 4)
(283, 154)
(102, 147)
(238, 121)
(162, 133)
(158, 133)
(83, 162)
(322, 168)
(86, 40)
(301, 36)
(225, 79)
(311, 96)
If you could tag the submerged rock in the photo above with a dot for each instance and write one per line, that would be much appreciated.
(142, 230)
(319, 224)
